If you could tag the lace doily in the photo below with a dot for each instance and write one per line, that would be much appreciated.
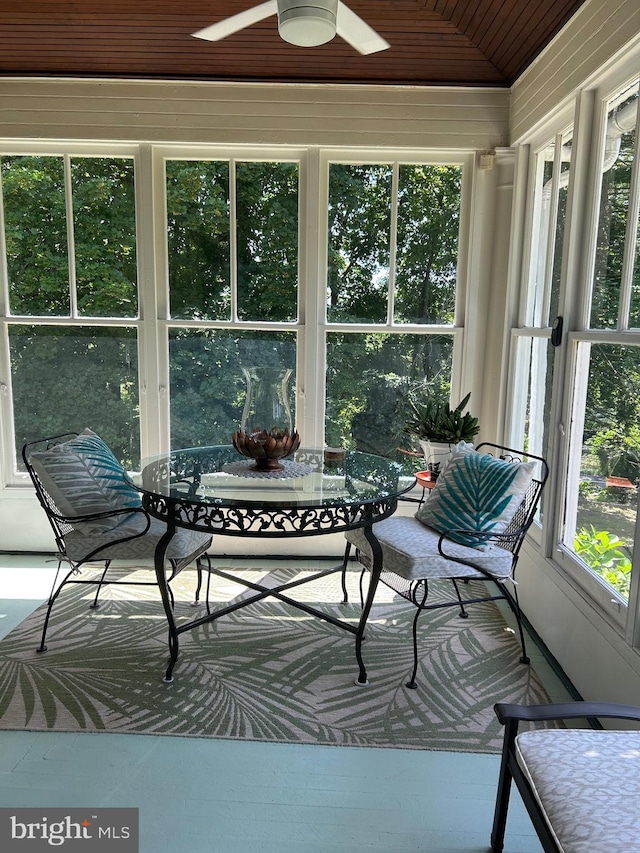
(289, 469)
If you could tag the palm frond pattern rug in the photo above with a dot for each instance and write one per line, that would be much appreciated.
(267, 672)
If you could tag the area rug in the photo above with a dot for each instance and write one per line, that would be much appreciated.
(268, 672)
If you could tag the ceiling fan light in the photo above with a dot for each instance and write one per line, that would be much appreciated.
(305, 23)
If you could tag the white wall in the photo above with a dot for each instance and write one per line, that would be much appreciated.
(594, 38)
(255, 114)
(590, 650)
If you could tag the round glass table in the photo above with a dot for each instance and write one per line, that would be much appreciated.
(215, 490)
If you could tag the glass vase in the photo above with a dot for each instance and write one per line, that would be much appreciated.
(266, 431)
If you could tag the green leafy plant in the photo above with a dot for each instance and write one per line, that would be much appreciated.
(600, 550)
(618, 451)
(434, 420)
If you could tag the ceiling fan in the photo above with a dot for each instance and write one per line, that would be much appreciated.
(305, 23)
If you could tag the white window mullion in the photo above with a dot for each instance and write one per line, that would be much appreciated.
(520, 368)
(71, 246)
(393, 243)
(310, 406)
(578, 405)
(542, 318)
(233, 240)
(4, 270)
(631, 235)
(540, 217)
(7, 454)
(538, 395)
(153, 295)
(6, 396)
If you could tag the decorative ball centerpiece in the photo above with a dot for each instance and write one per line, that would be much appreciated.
(266, 431)
(267, 447)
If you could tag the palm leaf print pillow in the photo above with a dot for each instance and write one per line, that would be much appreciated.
(84, 477)
(476, 492)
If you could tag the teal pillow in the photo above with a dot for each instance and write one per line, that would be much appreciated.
(476, 492)
(84, 477)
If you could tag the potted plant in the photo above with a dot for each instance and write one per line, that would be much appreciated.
(438, 427)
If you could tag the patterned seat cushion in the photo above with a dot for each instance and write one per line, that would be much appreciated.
(83, 477)
(410, 549)
(185, 543)
(476, 492)
(588, 786)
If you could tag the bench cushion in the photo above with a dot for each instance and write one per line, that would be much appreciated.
(588, 786)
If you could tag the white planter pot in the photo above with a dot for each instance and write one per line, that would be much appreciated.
(436, 454)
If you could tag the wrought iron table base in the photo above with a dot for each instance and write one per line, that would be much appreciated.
(266, 592)
(182, 488)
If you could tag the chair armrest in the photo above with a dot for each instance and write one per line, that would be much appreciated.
(471, 534)
(513, 536)
(483, 538)
(564, 711)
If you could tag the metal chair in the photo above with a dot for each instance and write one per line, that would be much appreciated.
(96, 515)
(414, 553)
(579, 785)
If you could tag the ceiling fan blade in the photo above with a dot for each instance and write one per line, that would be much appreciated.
(231, 25)
(357, 32)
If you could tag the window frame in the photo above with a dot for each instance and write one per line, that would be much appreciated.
(589, 115)
(153, 322)
(463, 159)
(11, 477)
(519, 372)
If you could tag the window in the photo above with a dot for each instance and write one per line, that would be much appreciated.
(534, 354)
(604, 440)
(71, 284)
(392, 268)
(138, 324)
(232, 248)
(589, 390)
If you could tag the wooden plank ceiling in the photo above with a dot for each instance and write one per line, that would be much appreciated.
(433, 42)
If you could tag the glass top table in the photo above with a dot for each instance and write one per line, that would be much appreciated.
(215, 490)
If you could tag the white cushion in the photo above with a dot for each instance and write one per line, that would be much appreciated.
(80, 544)
(410, 549)
(476, 492)
(588, 786)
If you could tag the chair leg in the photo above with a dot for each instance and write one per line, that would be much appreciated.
(52, 599)
(95, 603)
(504, 790)
(463, 612)
(174, 569)
(208, 606)
(362, 574)
(345, 560)
(514, 604)
(196, 598)
(199, 562)
(419, 605)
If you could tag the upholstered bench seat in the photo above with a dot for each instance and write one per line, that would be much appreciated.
(410, 549)
(587, 784)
